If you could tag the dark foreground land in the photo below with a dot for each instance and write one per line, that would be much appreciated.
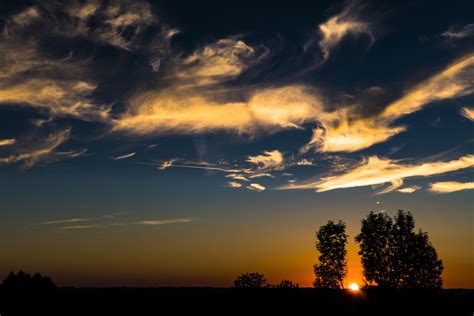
(205, 301)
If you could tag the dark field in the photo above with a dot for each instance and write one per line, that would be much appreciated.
(224, 301)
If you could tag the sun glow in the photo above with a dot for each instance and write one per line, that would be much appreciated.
(354, 287)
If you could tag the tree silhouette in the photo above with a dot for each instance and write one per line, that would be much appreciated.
(332, 266)
(394, 256)
(250, 281)
(374, 242)
(23, 281)
(287, 284)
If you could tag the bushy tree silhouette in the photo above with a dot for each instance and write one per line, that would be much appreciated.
(374, 242)
(331, 244)
(25, 282)
(250, 281)
(394, 256)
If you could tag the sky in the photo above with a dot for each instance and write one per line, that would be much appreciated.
(170, 143)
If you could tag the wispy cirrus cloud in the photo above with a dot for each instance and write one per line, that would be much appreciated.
(347, 23)
(165, 221)
(468, 112)
(459, 32)
(219, 61)
(191, 111)
(377, 171)
(450, 186)
(268, 160)
(346, 131)
(41, 150)
(126, 156)
(7, 141)
(64, 221)
(29, 77)
(106, 221)
(79, 227)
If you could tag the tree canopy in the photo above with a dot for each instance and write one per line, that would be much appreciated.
(331, 269)
(394, 256)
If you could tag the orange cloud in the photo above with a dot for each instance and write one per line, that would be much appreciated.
(377, 171)
(451, 186)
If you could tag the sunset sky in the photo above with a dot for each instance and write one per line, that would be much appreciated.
(165, 143)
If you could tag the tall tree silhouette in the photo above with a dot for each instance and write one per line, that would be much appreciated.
(375, 250)
(394, 256)
(331, 244)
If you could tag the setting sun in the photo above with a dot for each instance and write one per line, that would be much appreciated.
(354, 287)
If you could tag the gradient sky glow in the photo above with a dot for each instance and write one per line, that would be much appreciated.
(164, 143)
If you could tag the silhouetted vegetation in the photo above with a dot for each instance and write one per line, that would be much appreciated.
(394, 256)
(25, 282)
(332, 267)
(287, 284)
(257, 281)
(250, 281)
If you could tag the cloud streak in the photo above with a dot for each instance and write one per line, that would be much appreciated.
(377, 171)
(458, 32)
(450, 186)
(165, 221)
(468, 113)
(256, 187)
(125, 156)
(7, 142)
(42, 150)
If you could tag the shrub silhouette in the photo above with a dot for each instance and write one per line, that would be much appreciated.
(331, 244)
(25, 282)
(287, 284)
(393, 256)
(250, 281)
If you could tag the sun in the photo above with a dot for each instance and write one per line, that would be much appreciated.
(354, 287)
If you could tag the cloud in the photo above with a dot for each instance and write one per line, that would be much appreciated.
(256, 187)
(268, 160)
(227, 58)
(166, 164)
(125, 156)
(105, 222)
(189, 165)
(30, 77)
(459, 32)
(468, 113)
(377, 171)
(347, 23)
(193, 111)
(63, 221)
(346, 131)
(411, 189)
(123, 23)
(237, 176)
(233, 184)
(166, 221)
(79, 227)
(305, 162)
(259, 175)
(42, 150)
(450, 186)
(7, 141)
